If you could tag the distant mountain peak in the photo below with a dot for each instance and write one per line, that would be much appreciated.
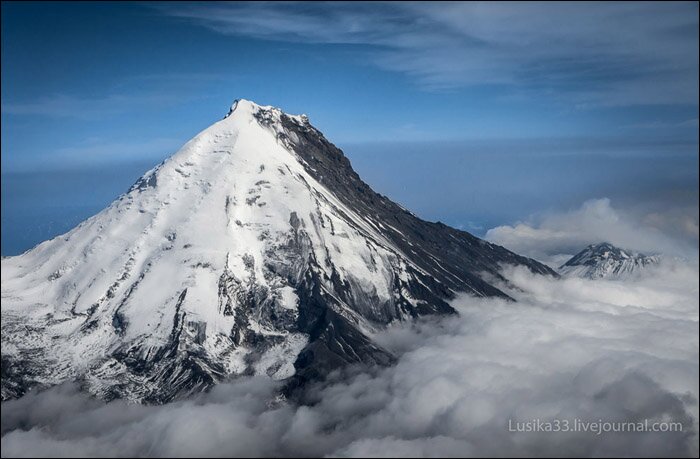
(602, 246)
(254, 249)
(604, 260)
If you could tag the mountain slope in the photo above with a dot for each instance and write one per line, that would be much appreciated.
(604, 260)
(255, 249)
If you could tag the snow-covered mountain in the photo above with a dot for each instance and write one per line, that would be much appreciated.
(604, 260)
(255, 249)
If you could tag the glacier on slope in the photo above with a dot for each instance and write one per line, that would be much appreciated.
(255, 249)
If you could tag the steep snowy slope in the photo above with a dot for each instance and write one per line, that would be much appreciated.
(604, 260)
(255, 249)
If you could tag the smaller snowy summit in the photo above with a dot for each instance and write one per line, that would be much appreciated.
(604, 260)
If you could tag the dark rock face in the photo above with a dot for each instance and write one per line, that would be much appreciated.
(456, 259)
(334, 341)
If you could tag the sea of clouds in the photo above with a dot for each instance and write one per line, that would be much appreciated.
(573, 350)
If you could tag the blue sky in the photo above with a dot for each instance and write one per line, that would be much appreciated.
(474, 114)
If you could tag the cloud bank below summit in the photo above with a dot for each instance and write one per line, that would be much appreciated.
(553, 237)
(568, 349)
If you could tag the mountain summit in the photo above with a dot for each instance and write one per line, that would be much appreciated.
(604, 260)
(255, 249)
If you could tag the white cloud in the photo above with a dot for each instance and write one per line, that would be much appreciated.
(554, 237)
(65, 106)
(569, 51)
(97, 152)
(154, 91)
(569, 348)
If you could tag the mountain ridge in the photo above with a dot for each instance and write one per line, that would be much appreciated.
(254, 249)
(604, 260)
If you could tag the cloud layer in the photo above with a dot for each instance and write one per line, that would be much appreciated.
(553, 238)
(568, 349)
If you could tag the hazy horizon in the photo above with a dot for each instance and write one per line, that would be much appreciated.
(466, 184)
